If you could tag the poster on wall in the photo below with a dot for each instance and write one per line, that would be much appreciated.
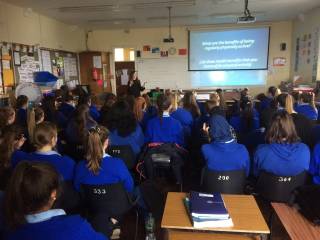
(315, 58)
(279, 61)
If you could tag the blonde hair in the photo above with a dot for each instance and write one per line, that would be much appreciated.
(289, 104)
(94, 148)
(34, 115)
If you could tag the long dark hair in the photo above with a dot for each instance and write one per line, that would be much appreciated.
(163, 102)
(21, 101)
(189, 103)
(6, 113)
(247, 114)
(122, 118)
(81, 119)
(29, 190)
(282, 129)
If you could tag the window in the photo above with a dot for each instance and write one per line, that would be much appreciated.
(118, 54)
(131, 55)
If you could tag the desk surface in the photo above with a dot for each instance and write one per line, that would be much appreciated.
(186, 235)
(296, 225)
(243, 209)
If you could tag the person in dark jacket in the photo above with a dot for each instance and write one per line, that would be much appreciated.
(284, 154)
(21, 107)
(31, 194)
(134, 85)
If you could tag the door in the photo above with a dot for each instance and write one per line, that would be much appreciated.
(123, 70)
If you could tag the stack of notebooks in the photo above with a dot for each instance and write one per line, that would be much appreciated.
(207, 210)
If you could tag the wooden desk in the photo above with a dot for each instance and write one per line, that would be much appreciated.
(297, 227)
(187, 235)
(243, 209)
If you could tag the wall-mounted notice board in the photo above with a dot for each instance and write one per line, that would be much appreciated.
(62, 64)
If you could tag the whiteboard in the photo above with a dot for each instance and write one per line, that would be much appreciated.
(164, 72)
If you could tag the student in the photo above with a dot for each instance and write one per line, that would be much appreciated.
(21, 106)
(302, 124)
(189, 103)
(35, 116)
(45, 140)
(283, 155)
(50, 108)
(213, 105)
(32, 191)
(124, 128)
(151, 111)
(67, 107)
(139, 109)
(11, 141)
(185, 117)
(99, 167)
(245, 120)
(223, 104)
(105, 117)
(163, 128)
(134, 85)
(273, 92)
(224, 153)
(7, 117)
(307, 106)
(94, 112)
(79, 125)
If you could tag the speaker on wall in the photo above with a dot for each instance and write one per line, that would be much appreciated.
(138, 54)
(283, 46)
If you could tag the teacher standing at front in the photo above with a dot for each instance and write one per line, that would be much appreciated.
(134, 85)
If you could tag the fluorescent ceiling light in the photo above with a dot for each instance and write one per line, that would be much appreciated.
(177, 3)
(174, 17)
(116, 21)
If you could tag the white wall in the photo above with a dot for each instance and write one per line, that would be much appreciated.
(32, 28)
(308, 23)
(281, 32)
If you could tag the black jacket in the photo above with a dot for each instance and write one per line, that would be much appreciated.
(135, 88)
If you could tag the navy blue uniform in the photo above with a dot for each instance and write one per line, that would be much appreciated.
(308, 111)
(67, 109)
(185, 118)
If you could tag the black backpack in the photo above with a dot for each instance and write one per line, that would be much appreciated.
(307, 198)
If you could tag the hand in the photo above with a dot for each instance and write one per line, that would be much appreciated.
(205, 128)
(20, 142)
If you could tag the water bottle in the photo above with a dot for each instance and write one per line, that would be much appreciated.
(149, 224)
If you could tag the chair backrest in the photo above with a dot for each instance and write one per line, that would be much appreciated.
(231, 182)
(279, 188)
(69, 200)
(125, 153)
(109, 199)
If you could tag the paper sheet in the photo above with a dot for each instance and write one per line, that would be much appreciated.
(46, 61)
(124, 77)
(97, 62)
(70, 68)
(27, 69)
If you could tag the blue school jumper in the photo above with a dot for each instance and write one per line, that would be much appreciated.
(112, 170)
(265, 103)
(21, 117)
(53, 225)
(94, 113)
(135, 139)
(307, 111)
(63, 164)
(315, 164)
(72, 132)
(237, 122)
(226, 156)
(150, 113)
(67, 109)
(168, 130)
(282, 159)
(185, 118)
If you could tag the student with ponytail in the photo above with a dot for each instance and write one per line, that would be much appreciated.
(35, 116)
(99, 167)
(164, 128)
(31, 194)
(45, 140)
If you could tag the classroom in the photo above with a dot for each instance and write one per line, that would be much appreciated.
(159, 119)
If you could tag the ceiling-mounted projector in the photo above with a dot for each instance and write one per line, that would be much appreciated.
(169, 39)
(247, 17)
